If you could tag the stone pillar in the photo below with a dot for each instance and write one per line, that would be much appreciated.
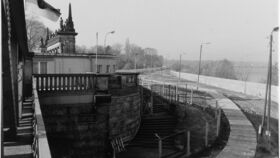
(27, 75)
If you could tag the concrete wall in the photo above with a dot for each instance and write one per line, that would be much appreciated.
(250, 88)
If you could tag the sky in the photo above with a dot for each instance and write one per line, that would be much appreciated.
(237, 29)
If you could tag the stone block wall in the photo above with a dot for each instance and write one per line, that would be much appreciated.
(125, 116)
(76, 131)
(76, 127)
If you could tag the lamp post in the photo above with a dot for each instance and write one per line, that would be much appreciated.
(111, 32)
(96, 52)
(180, 68)
(201, 45)
(268, 87)
(135, 66)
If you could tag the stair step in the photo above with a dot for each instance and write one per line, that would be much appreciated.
(26, 120)
(25, 115)
(27, 107)
(25, 130)
(27, 110)
(27, 103)
(25, 124)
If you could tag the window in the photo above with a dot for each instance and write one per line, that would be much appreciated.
(35, 68)
(130, 79)
(99, 68)
(108, 68)
(114, 68)
(43, 67)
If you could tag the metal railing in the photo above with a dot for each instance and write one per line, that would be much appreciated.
(185, 97)
(40, 145)
(186, 142)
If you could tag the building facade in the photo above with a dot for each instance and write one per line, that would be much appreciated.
(45, 63)
(58, 53)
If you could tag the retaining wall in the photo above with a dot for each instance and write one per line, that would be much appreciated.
(76, 127)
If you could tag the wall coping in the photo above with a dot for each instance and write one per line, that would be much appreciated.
(40, 131)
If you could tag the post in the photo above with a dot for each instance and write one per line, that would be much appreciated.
(114, 153)
(152, 110)
(206, 134)
(191, 96)
(164, 92)
(169, 93)
(186, 96)
(216, 110)
(159, 148)
(176, 92)
(269, 91)
(218, 123)
(199, 66)
(96, 52)
(188, 143)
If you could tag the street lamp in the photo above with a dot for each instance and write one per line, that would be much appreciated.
(201, 45)
(96, 52)
(135, 66)
(268, 87)
(180, 68)
(111, 32)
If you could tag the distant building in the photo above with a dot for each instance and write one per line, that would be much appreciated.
(58, 53)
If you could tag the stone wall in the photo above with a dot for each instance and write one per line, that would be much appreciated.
(76, 127)
(76, 130)
(125, 116)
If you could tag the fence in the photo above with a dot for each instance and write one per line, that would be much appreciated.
(185, 97)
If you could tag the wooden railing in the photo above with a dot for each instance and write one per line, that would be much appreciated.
(40, 145)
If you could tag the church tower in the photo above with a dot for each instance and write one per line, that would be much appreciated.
(67, 34)
(62, 40)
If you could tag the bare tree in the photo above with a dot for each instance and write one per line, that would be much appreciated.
(35, 31)
(243, 74)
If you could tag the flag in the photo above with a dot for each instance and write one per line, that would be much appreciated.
(42, 8)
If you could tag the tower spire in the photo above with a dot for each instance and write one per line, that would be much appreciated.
(70, 13)
(69, 22)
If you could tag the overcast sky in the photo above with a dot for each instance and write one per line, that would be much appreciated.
(237, 29)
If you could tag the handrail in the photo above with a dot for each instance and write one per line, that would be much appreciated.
(40, 144)
(174, 134)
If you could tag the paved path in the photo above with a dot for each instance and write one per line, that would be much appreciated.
(242, 140)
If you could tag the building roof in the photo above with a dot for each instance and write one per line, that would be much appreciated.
(75, 55)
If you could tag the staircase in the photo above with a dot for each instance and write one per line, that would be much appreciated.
(160, 122)
(21, 147)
